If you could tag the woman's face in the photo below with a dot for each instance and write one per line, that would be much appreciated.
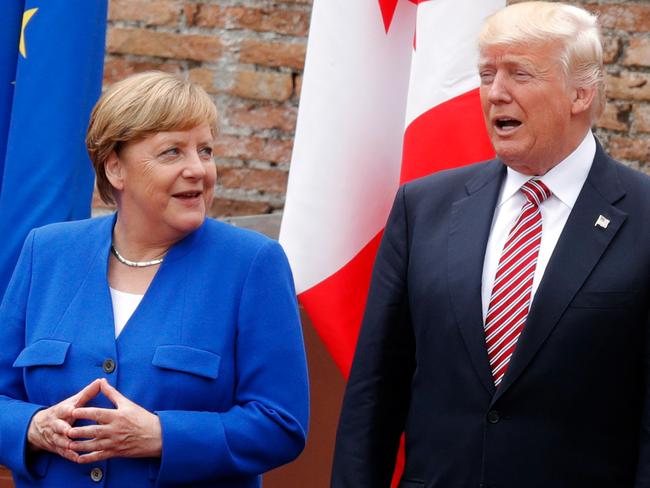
(165, 182)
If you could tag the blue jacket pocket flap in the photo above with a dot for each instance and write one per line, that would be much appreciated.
(187, 359)
(44, 352)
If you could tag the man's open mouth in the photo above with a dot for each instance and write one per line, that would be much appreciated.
(507, 123)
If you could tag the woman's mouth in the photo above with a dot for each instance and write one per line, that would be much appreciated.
(187, 195)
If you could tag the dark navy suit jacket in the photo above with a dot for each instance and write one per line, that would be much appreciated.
(572, 410)
(214, 348)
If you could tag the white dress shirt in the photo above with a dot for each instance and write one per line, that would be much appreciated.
(565, 181)
(124, 304)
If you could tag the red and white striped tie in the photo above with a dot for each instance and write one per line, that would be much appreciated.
(511, 291)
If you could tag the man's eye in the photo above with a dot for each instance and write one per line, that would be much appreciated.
(486, 77)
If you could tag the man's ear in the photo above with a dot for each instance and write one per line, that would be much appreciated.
(583, 98)
(114, 171)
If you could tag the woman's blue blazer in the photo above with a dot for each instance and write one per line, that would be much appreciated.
(214, 349)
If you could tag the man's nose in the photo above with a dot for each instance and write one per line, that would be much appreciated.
(499, 91)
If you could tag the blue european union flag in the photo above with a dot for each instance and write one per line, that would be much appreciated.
(11, 14)
(51, 63)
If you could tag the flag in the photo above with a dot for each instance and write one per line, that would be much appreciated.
(51, 56)
(11, 14)
(390, 93)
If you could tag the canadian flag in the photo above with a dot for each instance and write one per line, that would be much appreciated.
(390, 93)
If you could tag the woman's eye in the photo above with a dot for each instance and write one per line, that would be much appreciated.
(172, 151)
(206, 152)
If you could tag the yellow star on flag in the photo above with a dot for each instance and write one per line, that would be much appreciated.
(27, 16)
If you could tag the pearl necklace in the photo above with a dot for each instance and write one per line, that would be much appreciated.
(135, 264)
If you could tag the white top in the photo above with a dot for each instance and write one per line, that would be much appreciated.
(124, 304)
(565, 181)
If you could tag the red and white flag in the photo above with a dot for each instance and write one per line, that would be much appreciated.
(390, 93)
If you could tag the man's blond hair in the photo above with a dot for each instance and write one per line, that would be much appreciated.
(575, 31)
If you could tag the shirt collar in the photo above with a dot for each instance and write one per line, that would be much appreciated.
(565, 179)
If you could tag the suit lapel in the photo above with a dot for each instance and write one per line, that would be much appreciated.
(576, 253)
(470, 222)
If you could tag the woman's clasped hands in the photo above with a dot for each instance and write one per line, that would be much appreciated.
(128, 430)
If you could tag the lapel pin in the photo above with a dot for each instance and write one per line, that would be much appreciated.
(602, 222)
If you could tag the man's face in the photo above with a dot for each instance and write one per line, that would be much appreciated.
(527, 103)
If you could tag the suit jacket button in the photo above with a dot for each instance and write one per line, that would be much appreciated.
(96, 474)
(108, 365)
(493, 416)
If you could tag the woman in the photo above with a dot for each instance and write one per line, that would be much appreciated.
(153, 347)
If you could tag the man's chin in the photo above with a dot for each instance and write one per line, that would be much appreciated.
(516, 161)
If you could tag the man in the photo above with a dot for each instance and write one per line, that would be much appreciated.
(506, 329)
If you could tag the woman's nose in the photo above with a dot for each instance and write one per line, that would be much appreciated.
(194, 166)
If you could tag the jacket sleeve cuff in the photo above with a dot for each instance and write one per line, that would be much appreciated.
(14, 424)
(194, 446)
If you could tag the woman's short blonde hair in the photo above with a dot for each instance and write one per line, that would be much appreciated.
(138, 106)
(575, 31)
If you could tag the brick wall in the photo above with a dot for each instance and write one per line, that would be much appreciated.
(249, 55)
(625, 125)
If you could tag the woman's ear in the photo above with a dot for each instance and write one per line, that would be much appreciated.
(114, 171)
